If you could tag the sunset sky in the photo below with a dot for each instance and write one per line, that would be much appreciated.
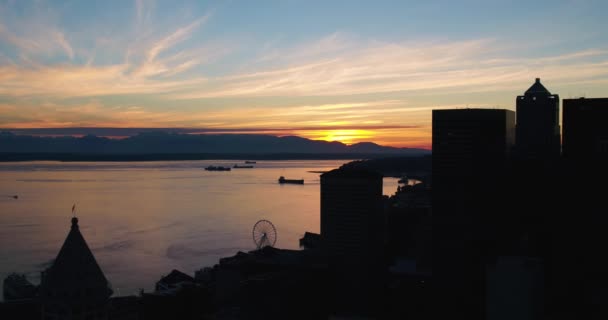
(335, 70)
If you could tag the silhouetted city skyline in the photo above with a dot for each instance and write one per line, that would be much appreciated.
(476, 237)
(303, 160)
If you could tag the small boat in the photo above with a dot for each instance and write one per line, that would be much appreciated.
(15, 197)
(242, 166)
(217, 168)
(292, 181)
(250, 161)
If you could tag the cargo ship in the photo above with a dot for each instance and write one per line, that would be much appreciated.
(282, 180)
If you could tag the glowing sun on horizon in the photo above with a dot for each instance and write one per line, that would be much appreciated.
(346, 136)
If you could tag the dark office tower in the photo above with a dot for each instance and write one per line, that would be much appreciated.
(585, 151)
(352, 223)
(537, 125)
(470, 149)
(468, 143)
(353, 231)
(586, 129)
(74, 287)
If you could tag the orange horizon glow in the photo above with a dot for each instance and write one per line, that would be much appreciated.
(346, 136)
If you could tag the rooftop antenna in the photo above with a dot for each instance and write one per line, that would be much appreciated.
(74, 211)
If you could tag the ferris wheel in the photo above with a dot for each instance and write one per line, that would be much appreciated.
(264, 234)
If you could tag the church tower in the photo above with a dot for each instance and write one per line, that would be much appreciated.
(74, 287)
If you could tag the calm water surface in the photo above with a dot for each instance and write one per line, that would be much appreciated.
(143, 219)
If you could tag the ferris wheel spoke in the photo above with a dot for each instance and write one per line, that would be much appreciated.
(264, 234)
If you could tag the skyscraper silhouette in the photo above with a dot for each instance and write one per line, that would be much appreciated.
(580, 284)
(585, 129)
(470, 150)
(352, 221)
(353, 235)
(537, 125)
(74, 287)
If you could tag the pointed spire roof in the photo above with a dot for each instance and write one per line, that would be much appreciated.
(75, 268)
(537, 88)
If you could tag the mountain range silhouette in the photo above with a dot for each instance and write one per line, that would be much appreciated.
(168, 143)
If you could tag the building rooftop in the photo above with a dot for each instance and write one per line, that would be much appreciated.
(351, 173)
(537, 88)
(270, 256)
(175, 277)
(75, 268)
(452, 116)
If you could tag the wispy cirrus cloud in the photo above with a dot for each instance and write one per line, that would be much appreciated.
(91, 114)
(95, 114)
(335, 43)
(182, 61)
(363, 68)
(41, 41)
(64, 44)
(337, 64)
(82, 81)
(175, 37)
(138, 75)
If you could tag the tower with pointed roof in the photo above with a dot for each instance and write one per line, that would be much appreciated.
(537, 131)
(74, 287)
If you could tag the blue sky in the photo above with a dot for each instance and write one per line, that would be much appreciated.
(334, 70)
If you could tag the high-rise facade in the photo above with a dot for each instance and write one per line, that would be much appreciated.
(353, 236)
(470, 143)
(537, 124)
(352, 217)
(470, 152)
(585, 129)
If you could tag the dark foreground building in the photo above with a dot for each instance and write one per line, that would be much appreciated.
(352, 221)
(468, 143)
(353, 235)
(579, 284)
(470, 152)
(585, 129)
